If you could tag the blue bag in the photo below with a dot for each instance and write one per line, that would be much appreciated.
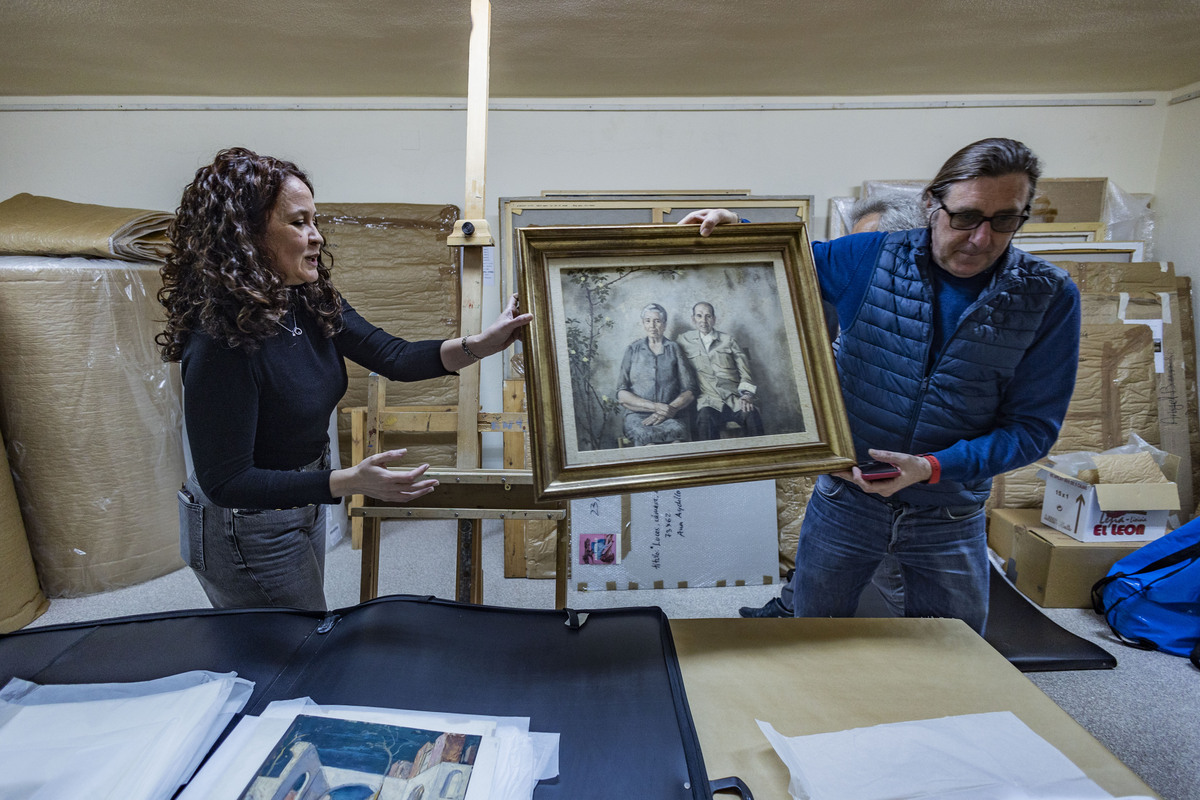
(1151, 597)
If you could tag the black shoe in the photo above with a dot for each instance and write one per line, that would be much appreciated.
(773, 608)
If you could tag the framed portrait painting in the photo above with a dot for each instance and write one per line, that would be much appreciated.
(658, 358)
(566, 208)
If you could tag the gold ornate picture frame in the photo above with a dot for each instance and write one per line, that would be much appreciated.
(566, 208)
(588, 287)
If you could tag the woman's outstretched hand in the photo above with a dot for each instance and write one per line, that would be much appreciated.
(372, 477)
(466, 350)
(503, 332)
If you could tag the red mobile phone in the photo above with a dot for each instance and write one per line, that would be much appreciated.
(878, 470)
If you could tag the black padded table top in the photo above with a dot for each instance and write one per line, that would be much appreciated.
(610, 686)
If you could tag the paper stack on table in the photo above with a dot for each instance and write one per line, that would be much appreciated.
(991, 756)
(133, 741)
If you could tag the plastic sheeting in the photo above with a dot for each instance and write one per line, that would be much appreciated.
(92, 421)
(1127, 217)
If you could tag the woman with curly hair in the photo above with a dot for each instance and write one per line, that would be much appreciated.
(261, 335)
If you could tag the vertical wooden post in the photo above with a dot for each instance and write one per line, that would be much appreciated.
(372, 527)
(471, 232)
(477, 108)
(368, 581)
(514, 458)
(472, 235)
(357, 453)
(562, 558)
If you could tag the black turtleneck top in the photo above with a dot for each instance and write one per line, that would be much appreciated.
(254, 418)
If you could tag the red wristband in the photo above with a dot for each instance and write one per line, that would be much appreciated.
(935, 468)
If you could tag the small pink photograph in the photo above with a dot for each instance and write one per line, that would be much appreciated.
(598, 548)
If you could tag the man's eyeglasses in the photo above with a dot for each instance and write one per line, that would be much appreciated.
(970, 220)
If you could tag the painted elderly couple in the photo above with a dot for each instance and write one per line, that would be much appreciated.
(689, 388)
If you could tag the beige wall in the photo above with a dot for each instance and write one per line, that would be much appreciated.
(1177, 192)
(143, 159)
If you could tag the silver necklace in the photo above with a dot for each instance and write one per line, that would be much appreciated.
(294, 331)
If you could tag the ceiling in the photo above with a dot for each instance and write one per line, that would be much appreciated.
(598, 48)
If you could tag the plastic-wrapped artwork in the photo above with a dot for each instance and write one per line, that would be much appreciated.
(92, 420)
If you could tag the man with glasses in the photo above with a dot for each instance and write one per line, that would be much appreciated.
(956, 358)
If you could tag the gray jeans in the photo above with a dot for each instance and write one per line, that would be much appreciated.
(251, 558)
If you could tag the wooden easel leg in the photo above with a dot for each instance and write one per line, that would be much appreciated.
(477, 561)
(562, 557)
(468, 584)
(369, 581)
(514, 458)
(462, 566)
(358, 419)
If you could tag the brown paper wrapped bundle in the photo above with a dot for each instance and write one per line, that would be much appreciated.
(32, 225)
(92, 419)
(21, 598)
(391, 262)
(1119, 359)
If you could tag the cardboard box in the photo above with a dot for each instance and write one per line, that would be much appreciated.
(1129, 512)
(1050, 568)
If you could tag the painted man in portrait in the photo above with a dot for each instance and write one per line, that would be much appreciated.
(722, 367)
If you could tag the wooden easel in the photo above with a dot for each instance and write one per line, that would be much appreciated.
(468, 493)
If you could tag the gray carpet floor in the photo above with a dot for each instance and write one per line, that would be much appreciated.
(1146, 711)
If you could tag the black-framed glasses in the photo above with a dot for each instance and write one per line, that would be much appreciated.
(970, 220)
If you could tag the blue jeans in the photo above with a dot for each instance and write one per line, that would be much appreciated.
(888, 580)
(248, 558)
(942, 552)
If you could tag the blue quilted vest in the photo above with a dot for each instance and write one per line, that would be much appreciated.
(896, 400)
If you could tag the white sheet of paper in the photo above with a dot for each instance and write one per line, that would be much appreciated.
(992, 756)
(129, 740)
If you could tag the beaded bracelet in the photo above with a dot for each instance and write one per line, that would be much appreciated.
(467, 350)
